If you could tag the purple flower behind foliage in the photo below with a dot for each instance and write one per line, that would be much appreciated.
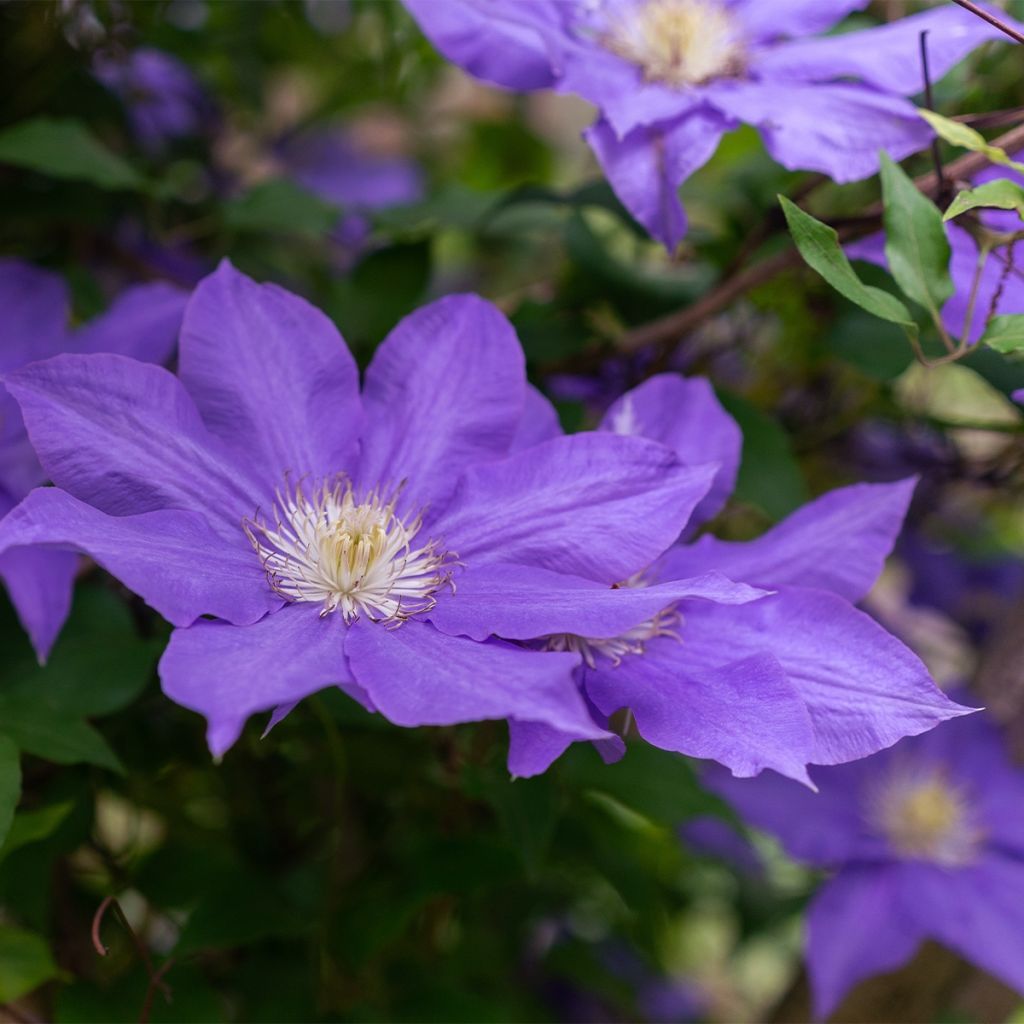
(163, 99)
(927, 842)
(670, 77)
(1001, 285)
(795, 678)
(143, 322)
(320, 528)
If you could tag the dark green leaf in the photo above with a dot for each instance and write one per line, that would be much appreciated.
(32, 826)
(10, 784)
(283, 207)
(36, 730)
(25, 963)
(819, 246)
(66, 149)
(916, 245)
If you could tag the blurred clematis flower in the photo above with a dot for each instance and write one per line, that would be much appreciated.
(143, 322)
(163, 99)
(302, 534)
(926, 842)
(794, 678)
(670, 77)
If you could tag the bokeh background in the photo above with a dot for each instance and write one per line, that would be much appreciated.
(344, 869)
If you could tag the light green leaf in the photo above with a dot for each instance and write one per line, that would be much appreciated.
(1002, 194)
(66, 149)
(10, 784)
(819, 246)
(916, 246)
(957, 134)
(1005, 333)
(281, 206)
(25, 963)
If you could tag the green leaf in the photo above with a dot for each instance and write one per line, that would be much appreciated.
(66, 149)
(1002, 194)
(10, 784)
(1005, 333)
(820, 248)
(62, 739)
(25, 963)
(916, 246)
(957, 134)
(281, 206)
(32, 826)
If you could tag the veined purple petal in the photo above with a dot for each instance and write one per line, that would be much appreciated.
(533, 748)
(36, 307)
(838, 542)
(594, 505)
(685, 415)
(271, 377)
(523, 602)
(864, 689)
(228, 673)
(779, 18)
(835, 128)
(125, 437)
(859, 925)
(886, 57)
(746, 715)
(171, 558)
(538, 423)
(143, 322)
(446, 389)
(647, 166)
(416, 675)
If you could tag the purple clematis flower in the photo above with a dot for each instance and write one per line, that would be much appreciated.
(796, 678)
(301, 534)
(163, 99)
(1001, 282)
(143, 322)
(670, 77)
(927, 843)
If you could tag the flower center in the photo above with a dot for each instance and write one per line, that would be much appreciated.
(615, 648)
(678, 42)
(926, 817)
(356, 557)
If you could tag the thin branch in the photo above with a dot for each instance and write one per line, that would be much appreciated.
(155, 976)
(940, 177)
(969, 5)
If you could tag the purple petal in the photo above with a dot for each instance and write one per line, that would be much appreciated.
(445, 390)
(39, 584)
(524, 602)
(418, 676)
(143, 323)
(126, 437)
(228, 673)
(685, 415)
(647, 166)
(170, 558)
(533, 748)
(36, 307)
(864, 689)
(501, 42)
(593, 505)
(747, 715)
(271, 377)
(538, 423)
(763, 21)
(837, 543)
(837, 129)
(858, 926)
(886, 57)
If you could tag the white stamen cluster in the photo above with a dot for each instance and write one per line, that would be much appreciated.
(349, 555)
(615, 648)
(924, 816)
(678, 42)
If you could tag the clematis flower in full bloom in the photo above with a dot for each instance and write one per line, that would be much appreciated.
(143, 322)
(926, 841)
(799, 676)
(300, 533)
(670, 77)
